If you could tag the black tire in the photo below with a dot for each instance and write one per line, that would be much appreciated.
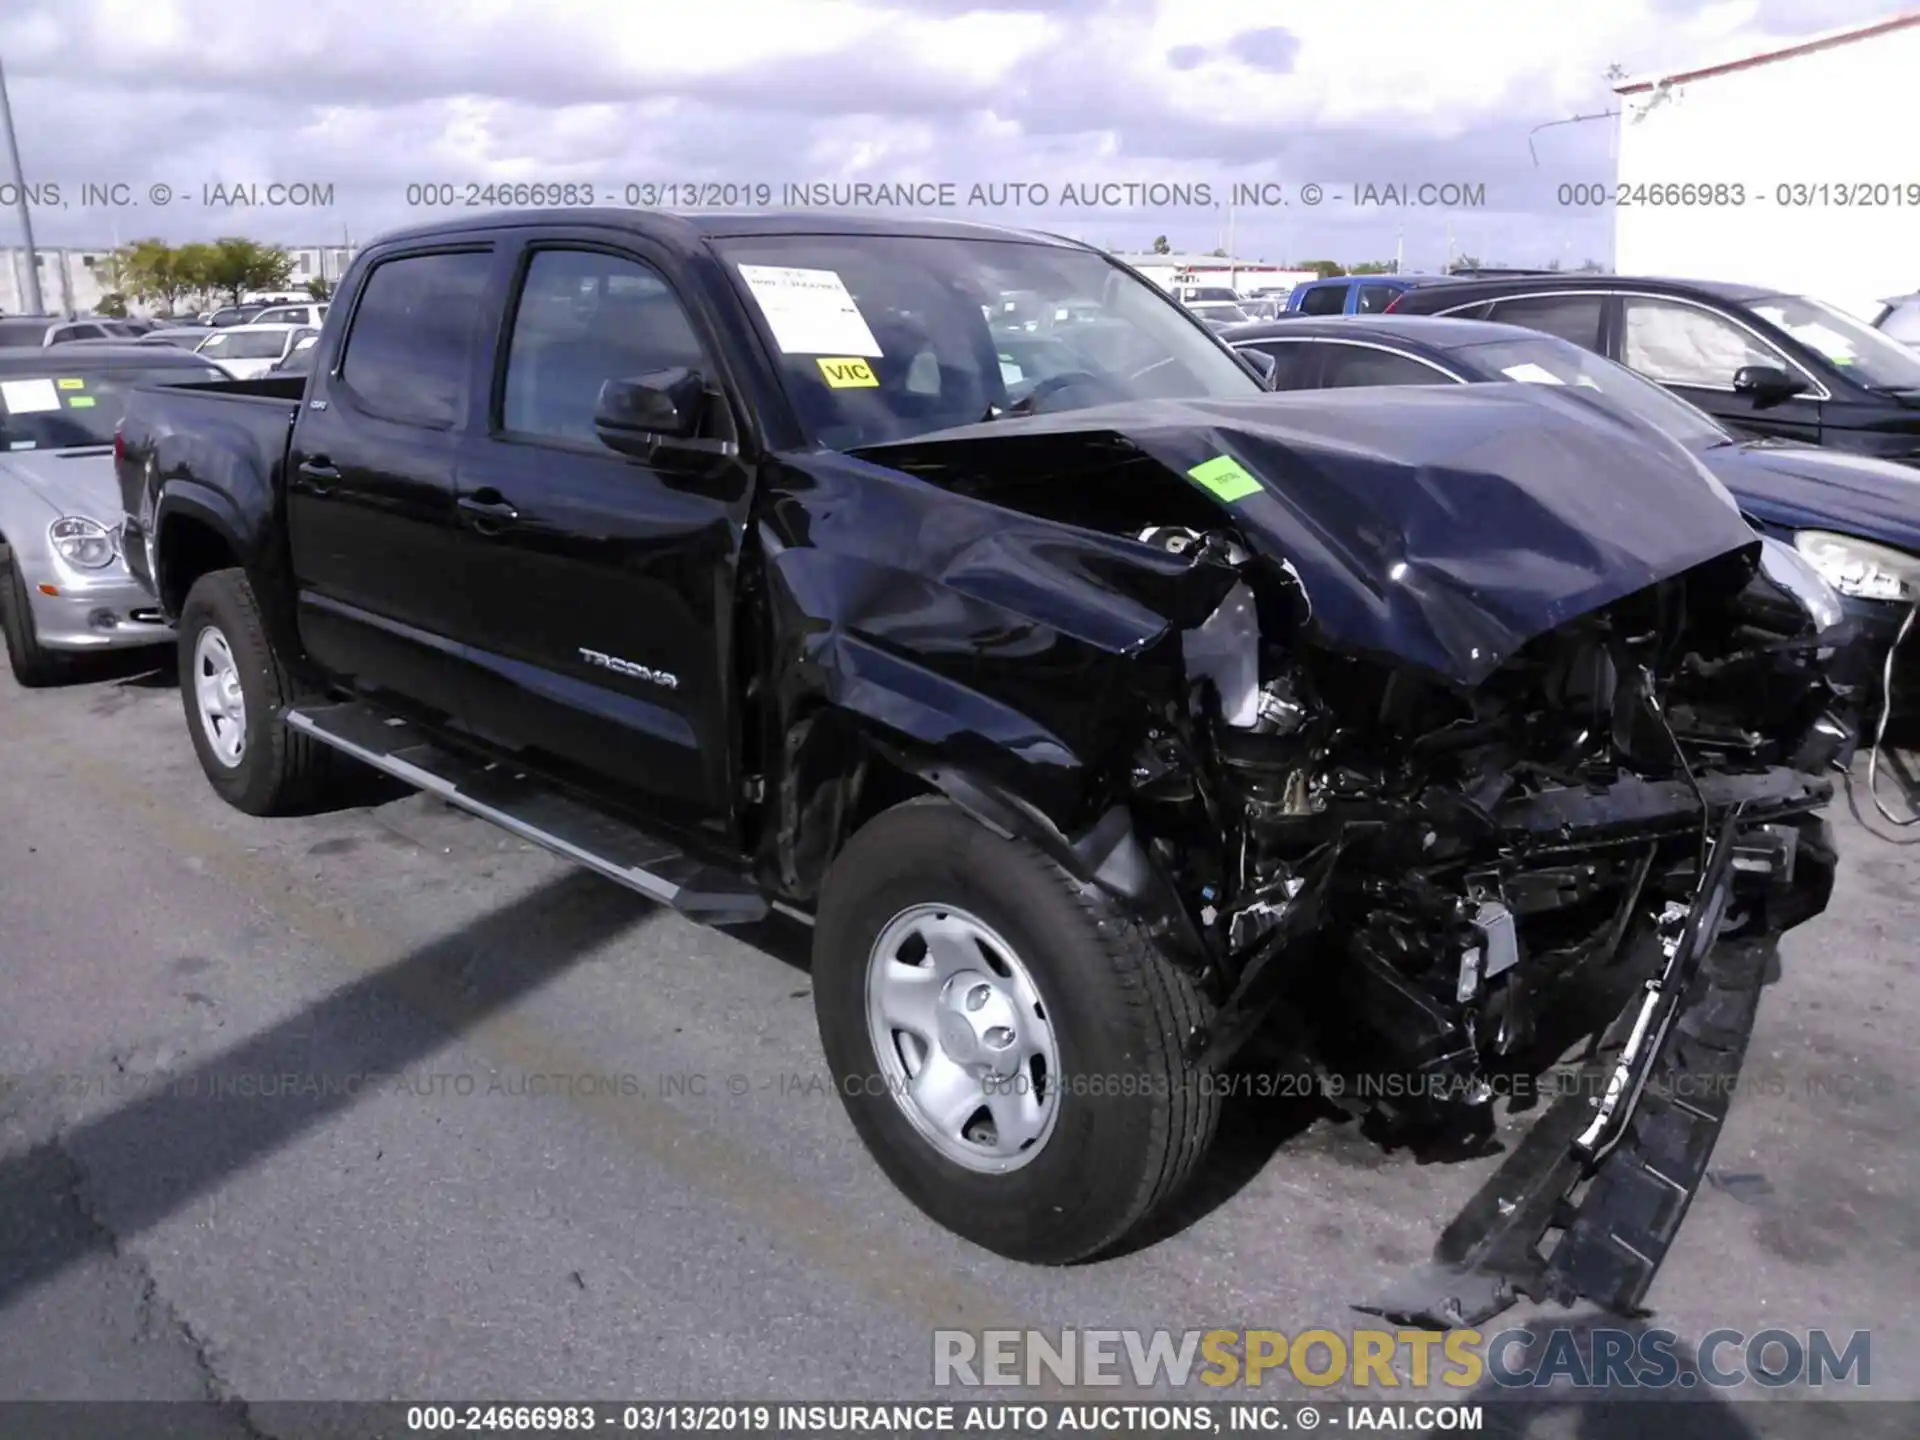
(279, 771)
(32, 663)
(1120, 1149)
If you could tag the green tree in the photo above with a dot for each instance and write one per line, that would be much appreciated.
(113, 304)
(1325, 269)
(1372, 267)
(1161, 246)
(153, 270)
(319, 287)
(235, 265)
(1218, 254)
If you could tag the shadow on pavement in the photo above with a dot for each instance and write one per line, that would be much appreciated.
(112, 1177)
(1687, 1408)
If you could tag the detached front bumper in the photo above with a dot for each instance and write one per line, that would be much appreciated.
(1636, 1125)
(106, 610)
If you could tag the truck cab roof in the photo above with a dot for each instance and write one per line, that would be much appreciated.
(690, 228)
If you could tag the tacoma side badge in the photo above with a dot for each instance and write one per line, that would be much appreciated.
(630, 667)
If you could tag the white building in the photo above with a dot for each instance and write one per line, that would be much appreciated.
(74, 279)
(1243, 276)
(1812, 146)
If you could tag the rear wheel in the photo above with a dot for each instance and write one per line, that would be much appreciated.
(32, 663)
(1006, 1042)
(234, 688)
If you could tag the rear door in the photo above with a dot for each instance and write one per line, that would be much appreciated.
(601, 627)
(1694, 351)
(370, 488)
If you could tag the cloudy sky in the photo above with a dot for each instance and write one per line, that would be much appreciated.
(369, 97)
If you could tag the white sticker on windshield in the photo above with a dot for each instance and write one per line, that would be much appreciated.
(1532, 374)
(1010, 373)
(24, 445)
(25, 397)
(811, 312)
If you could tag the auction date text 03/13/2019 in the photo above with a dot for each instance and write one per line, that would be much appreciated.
(924, 195)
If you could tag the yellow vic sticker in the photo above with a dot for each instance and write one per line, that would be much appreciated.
(80, 402)
(849, 373)
(71, 384)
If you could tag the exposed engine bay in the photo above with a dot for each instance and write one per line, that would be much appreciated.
(1414, 869)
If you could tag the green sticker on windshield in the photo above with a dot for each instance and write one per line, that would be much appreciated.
(71, 384)
(1226, 477)
(79, 402)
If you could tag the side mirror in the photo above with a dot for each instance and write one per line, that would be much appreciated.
(1263, 365)
(634, 415)
(656, 417)
(1767, 384)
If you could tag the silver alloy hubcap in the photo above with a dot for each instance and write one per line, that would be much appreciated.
(965, 1044)
(223, 705)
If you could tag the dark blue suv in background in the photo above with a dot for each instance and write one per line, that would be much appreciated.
(1355, 294)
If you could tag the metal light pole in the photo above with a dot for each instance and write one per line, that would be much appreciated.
(35, 306)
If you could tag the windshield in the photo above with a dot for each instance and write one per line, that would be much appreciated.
(1547, 361)
(886, 337)
(1230, 314)
(246, 345)
(57, 412)
(1859, 350)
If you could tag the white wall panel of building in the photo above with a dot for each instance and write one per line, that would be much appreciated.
(1840, 110)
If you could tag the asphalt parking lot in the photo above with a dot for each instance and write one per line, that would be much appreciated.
(604, 1160)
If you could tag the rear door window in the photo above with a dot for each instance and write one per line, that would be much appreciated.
(1298, 362)
(1574, 318)
(1353, 365)
(1374, 299)
(409, 354)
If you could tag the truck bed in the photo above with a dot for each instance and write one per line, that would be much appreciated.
(231, 435)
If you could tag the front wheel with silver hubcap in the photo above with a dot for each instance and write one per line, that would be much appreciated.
(1007, 1043)
(962, 1037)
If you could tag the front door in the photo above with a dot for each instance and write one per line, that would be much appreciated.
(602, 627)
(370, 497)
(1694, 351)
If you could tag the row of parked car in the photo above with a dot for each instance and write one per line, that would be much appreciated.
(1112, 716)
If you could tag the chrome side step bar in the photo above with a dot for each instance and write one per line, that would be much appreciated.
(524, 807)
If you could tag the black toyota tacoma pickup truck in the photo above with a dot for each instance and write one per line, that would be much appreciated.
(1114, 720)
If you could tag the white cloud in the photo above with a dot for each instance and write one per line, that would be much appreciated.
(372, 95)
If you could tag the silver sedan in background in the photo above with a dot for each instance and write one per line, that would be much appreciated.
(64, 585)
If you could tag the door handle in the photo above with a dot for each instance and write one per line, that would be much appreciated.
(487, 510)
(319, 475)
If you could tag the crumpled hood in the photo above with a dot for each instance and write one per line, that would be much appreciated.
(69, 484)
(1806, 487)
(1441, 527)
